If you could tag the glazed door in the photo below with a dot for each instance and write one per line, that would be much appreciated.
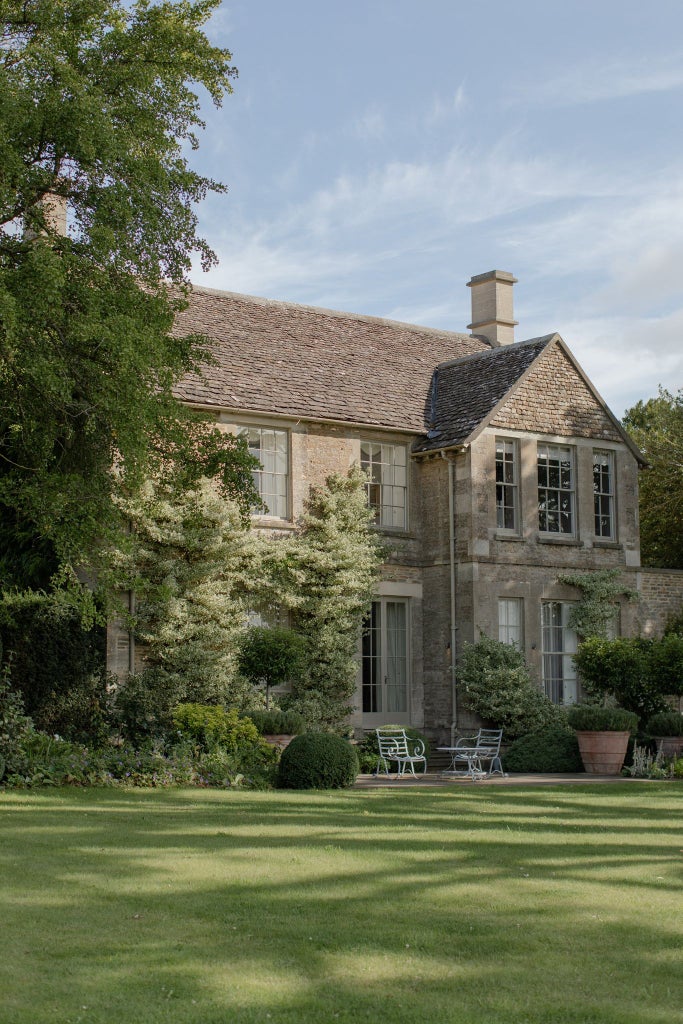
(385, 682)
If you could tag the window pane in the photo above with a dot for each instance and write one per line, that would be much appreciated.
(387, 488)
(270, 447)
(555, 489)
(507, 491)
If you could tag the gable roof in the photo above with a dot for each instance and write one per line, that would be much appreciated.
(283, 359)
(465, 392)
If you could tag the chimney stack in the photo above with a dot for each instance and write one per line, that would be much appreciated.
(54, 209)
(492, 307)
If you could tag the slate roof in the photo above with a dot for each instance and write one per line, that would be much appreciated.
(298, 361)
(465, 391)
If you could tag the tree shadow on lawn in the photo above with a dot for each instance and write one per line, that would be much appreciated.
(186, 906)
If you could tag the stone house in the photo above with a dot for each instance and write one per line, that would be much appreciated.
(495, 466)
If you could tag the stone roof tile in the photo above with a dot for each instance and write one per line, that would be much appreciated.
(280, 358)
(465, 391)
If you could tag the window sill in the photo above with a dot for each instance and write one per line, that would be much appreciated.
(272, 523)
(503, 535)
(614, 545)
(551, 538)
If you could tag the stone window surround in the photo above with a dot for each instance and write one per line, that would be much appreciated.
(512, 486)
(612, 495)
(393, 442)
(584, 447)
(556, 456)
(234, 423)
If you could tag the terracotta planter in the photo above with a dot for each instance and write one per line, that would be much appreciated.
(669, 746)
(603, 753)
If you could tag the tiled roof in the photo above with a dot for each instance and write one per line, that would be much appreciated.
(299, 361)
(464, 391)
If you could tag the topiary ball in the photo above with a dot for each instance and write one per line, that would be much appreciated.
(317, 760)
(555, 749)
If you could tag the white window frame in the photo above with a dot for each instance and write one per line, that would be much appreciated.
(603, 494)
(387, 489)
(270, 446)
(559, 644)
(507, 484)
(556, 475)
(511, 621)
(384, 659)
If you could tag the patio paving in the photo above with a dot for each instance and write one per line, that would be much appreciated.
(432, 779)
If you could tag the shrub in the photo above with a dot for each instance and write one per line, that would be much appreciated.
(318, 760)
(15, 729)
(498, 688)
(57, 666)
(270, 656)
(665, 723)
(589, 718)
(211, 726)
(277, 723)
(637, 672)
(555, 749)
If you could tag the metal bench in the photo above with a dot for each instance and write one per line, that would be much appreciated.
(396, 746)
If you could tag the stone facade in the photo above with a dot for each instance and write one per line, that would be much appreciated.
(332, 381)
(661, 598)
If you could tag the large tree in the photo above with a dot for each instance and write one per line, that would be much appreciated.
(98, 109)
(657, 428)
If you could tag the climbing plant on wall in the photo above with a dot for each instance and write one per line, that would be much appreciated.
(600, 592)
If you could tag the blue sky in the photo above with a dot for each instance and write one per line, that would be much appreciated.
(380, 153)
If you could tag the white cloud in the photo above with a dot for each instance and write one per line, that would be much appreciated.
(628, 358)
(444, 108)
(606, 80)
(371, 125)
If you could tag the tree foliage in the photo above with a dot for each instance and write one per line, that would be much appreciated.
(98, 106)
(336, 556)
(638, 672)
(656, 426)
(184, 560)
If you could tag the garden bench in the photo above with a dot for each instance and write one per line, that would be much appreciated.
(395, 745)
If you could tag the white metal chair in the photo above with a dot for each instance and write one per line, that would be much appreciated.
(396, 746)
(470, 752)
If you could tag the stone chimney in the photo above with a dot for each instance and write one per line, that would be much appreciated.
(54, 207)
(492, 307)
(54, 212)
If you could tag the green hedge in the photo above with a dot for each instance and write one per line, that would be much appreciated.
(277, 723)
(589, 718)
(555, 749)
(318, 760)
(666, 723)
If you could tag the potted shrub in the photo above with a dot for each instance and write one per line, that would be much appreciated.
(603, 735)
(667, 728)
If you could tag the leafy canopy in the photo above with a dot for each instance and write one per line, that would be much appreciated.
(98, 108)
(657, 428)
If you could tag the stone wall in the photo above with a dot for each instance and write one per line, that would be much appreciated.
(554, 399)
(662, 598)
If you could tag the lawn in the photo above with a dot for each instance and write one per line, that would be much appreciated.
(512, 905)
